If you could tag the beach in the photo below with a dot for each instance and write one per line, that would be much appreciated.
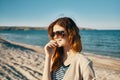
(20, 61)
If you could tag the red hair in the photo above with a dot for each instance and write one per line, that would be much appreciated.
(73, 36)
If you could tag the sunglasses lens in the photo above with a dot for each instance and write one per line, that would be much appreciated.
(53, 34)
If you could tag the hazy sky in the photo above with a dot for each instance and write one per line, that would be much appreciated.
(98, 14)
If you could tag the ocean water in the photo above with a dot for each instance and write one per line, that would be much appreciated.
(101, 42)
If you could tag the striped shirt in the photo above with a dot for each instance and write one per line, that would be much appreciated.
(59, 73)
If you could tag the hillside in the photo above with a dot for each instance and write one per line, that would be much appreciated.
(21, 28)
(31, 28)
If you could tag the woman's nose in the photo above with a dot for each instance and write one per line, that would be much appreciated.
(55, 37)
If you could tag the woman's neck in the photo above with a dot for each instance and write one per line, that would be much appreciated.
(68, 52)
(68, 56)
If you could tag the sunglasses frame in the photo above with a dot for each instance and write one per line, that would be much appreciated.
(58, 34)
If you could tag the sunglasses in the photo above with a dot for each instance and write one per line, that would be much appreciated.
(58, 34)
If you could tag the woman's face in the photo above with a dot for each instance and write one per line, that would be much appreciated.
(60, 36)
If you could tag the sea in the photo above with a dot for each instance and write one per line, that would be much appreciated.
(100, 42)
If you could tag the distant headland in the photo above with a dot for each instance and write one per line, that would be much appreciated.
(22, 28)
(31, 28)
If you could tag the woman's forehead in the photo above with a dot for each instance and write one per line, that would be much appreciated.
(58, 28)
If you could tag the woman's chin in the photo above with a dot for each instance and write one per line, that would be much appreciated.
(59, 45)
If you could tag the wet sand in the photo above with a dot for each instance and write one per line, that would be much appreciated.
(26, 62)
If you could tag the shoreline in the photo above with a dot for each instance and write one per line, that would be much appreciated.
(106, 56)
(28, 61)
(92, 56)
(104, 62)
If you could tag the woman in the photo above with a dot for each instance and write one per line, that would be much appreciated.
(63, 60)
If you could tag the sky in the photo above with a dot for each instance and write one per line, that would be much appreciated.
(95, 14)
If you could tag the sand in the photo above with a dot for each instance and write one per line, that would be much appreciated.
(26, 62)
